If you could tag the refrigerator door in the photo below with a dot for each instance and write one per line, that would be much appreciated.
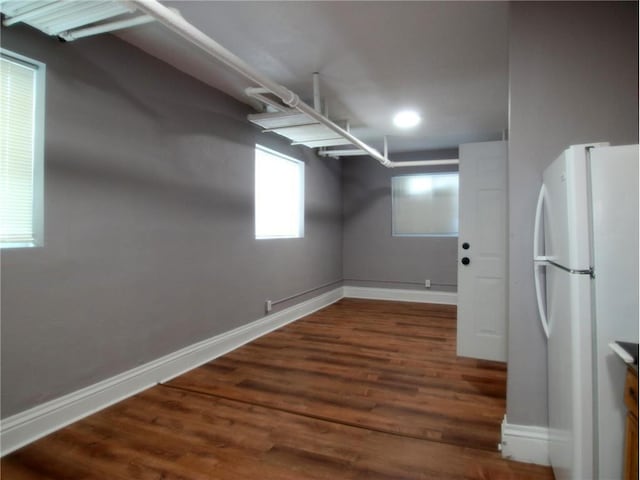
(614, 198)
(569, 374)
(566, 212)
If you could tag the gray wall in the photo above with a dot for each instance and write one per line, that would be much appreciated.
(573, 79)
(149, 222)
(371, 256)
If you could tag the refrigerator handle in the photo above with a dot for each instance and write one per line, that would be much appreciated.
(536, 227)
(537, 268)
(539, 261)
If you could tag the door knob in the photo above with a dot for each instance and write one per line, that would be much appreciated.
(465, 261)
(465, 246)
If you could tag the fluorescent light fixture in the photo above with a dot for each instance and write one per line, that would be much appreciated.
(406, 119)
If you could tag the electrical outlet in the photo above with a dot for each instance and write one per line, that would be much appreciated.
(267, 306)
(427, 284)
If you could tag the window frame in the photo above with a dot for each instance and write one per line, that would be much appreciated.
(301, 179)
(39, 91)
(422, 235)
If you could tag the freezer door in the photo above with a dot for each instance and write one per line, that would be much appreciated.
(569, 374)
(566, 209)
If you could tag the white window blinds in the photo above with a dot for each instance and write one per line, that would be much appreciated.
(20, 151)
(425, 205)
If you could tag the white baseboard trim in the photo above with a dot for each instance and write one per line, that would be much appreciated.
(427, 296)
(30, 425)
(525, 443)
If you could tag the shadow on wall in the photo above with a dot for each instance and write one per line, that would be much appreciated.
(362, 196)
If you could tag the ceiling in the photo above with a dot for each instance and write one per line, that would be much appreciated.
(447, 60)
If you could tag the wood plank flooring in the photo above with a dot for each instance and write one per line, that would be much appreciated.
(360, 390)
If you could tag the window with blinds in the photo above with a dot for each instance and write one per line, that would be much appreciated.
(425, 205)
(21, 150)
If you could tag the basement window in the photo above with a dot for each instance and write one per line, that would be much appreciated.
(21, 150)
(425, 205)
(279, 195)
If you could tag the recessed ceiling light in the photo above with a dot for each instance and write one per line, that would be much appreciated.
(406, 119)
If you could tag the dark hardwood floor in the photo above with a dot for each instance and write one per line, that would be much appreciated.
(360, 390)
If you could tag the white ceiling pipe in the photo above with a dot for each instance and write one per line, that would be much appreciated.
(413, 163)
(189, 32)
(424, 163)
(258, 94)
(106, 27)
(416, 163)
(183, 28)
(341, 153)
(372, 152)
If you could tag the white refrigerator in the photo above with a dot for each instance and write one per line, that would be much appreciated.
(586, 277)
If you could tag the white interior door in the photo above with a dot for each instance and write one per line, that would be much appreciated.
(482, 251)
